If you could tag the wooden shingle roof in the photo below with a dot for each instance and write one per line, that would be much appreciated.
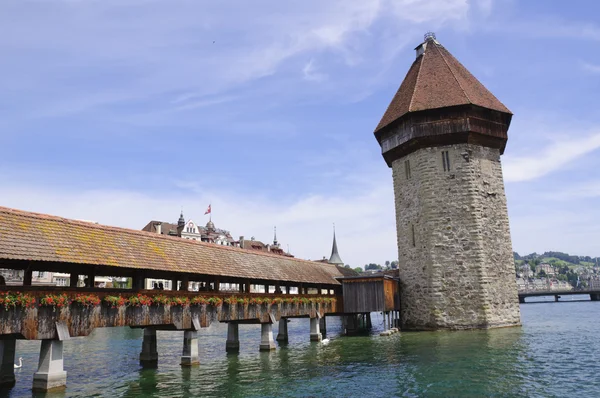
(40, 237)
(437, 80)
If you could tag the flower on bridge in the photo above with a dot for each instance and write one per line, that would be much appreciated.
(55, 300)
(16, 299)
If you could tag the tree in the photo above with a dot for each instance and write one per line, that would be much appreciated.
(358, 269)
(387, 264)
(542, 274)
(346, 266)
(394, 264)
(373, 266)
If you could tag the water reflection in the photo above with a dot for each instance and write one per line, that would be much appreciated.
(555, 341)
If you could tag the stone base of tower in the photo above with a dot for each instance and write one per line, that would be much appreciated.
(454, 247)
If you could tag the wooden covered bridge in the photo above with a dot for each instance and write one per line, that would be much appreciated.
(36, 242)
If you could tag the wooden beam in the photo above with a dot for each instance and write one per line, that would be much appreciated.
(73, 279)
(27, 277)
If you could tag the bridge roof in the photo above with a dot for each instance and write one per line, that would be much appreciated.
(44, 238)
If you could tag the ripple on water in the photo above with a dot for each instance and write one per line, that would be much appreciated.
(554, 354)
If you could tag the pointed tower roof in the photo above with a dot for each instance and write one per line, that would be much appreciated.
(437, 80)
(181, 221)
(335, 256)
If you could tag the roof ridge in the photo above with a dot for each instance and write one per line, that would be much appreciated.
(153, 235)
(454, 75)
(412, 97)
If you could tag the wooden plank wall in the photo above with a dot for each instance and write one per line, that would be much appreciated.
(364, 295)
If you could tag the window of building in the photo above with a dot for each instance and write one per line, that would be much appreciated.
(41, 274)
(407, 169)
(446, 160)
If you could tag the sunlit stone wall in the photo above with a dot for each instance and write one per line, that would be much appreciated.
(454, 247)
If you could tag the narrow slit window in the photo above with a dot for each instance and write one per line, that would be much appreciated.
(446, 160)
(412, 235)
(407, 169)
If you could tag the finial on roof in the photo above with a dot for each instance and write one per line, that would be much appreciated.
(275, 236)
(429, 36)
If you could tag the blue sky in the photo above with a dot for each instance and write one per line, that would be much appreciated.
(123, 111)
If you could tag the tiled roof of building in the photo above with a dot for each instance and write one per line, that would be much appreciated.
(166, 228)
(41, 237)
(437, 80)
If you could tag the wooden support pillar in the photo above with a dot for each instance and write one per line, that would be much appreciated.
(189, 357)
(91, 278)
(323, 326)
(185, 284)
(27, 277)
(350, 323)
(369, 324)
(74, 279)
(50, 374)
(521, 300)
(149, 354)
(174, 283)
(385, 326)
(282, 334)
(595, 297)
(266, 288)
(247, 288)
(266, 337)
(315, 332)
(233, 337)
(287, 289)
(241, 287)
(556, 297)
(217, 286)
(138, 281)
(7, 363)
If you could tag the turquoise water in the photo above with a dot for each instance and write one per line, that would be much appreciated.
(555, 354)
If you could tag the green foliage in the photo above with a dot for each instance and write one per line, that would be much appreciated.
(358, 269)
(372, 266)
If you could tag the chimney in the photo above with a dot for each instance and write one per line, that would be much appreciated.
(242, 242)
(158, 227)
(268, 247)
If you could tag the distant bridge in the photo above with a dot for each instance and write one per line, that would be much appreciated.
(594, 294)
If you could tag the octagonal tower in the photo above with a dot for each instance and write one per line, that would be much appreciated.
(442, 135)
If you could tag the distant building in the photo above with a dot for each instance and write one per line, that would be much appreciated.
(547, 268)
(209, 234)
(191, 230)
(254, 244)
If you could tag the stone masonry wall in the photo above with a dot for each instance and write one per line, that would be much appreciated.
(454, 247)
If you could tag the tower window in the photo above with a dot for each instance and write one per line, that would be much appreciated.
(446, 160)
(412, 235)
(407, 169)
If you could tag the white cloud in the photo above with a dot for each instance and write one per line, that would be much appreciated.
(364, 216)
(140, 50)
(310, 72)
(552, 158)
(593, 68)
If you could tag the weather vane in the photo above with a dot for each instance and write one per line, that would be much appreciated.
(429, 35)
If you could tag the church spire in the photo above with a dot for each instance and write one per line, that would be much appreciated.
(335, 256)
(181, 221)
(275, 236)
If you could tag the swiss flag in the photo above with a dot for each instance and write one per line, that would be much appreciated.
(207, 210)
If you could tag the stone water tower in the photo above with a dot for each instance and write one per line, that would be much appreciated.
(442, 135)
